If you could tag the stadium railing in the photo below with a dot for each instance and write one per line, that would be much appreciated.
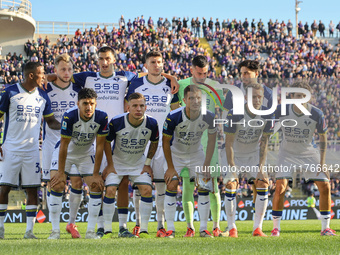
(53, 27)
(23, 6)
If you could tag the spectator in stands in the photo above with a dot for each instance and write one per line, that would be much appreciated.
(121, 22)
(331, 28)
(322, 29)
(211, 24)
(314, 28)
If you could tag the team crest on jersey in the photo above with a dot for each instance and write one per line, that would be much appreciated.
(166, 90)
(307, 122)
(145, 89)
(125, 133)
(64, 125)
(145, 132)
(201, 125)
(19, 98)
(53, 95)
(182, 127)
(93, 126)
(77, 126)
(72, 94)
(116, 79)
(38, 100)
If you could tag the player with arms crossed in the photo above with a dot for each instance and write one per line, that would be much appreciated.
(199, 72)
(297, 150)
(182, 133)
(243, 150)
(63, 95)
(131, 133)
(159, 101)
(81, 126)
(23, 106)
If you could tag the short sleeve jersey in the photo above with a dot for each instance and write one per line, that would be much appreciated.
(81, 132)
(187, 133)
(130, 142)
(110, 90)
(23, 112)
(248, 131)
(298, 129)
(158, 98)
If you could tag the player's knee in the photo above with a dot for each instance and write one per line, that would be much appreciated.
(261, 184)
(231, 185)
(76, 183)
(145, 190)
(280, 187)
(324, 187)
(111, 191)
(172, 185)
(58, 187)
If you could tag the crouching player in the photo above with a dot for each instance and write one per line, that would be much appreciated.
(81, 126)
(297, 150)
(182, 133)
(243, 150)
(131, 132)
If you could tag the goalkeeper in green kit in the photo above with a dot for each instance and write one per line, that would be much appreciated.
(199, 72)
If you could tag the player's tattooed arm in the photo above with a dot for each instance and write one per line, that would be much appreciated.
(152, 150)
(53, 123)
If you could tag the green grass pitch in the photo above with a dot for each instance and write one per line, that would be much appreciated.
(297, 237)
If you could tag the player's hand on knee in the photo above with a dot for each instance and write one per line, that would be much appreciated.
(58, 179)
(169, 174)
(97, 183)
(148, 170)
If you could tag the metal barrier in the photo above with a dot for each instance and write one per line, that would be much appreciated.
(23, 6)
(52, 27)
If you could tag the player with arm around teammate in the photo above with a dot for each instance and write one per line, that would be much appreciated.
(63, 95)
(131, 133)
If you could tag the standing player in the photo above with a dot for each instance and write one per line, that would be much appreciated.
(131, 132)
(81, 126)
(63, 96)
(297, 150)
(23, 105)
(243, 134)
(249, 71)
(110, 87)
(182, 133)
(159, 100)
(199, 72)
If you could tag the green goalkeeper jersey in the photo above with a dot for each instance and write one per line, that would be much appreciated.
(212, 102)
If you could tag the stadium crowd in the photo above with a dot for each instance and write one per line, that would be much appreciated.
(281, 55)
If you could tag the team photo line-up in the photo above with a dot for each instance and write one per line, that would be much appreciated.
(109, 128)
